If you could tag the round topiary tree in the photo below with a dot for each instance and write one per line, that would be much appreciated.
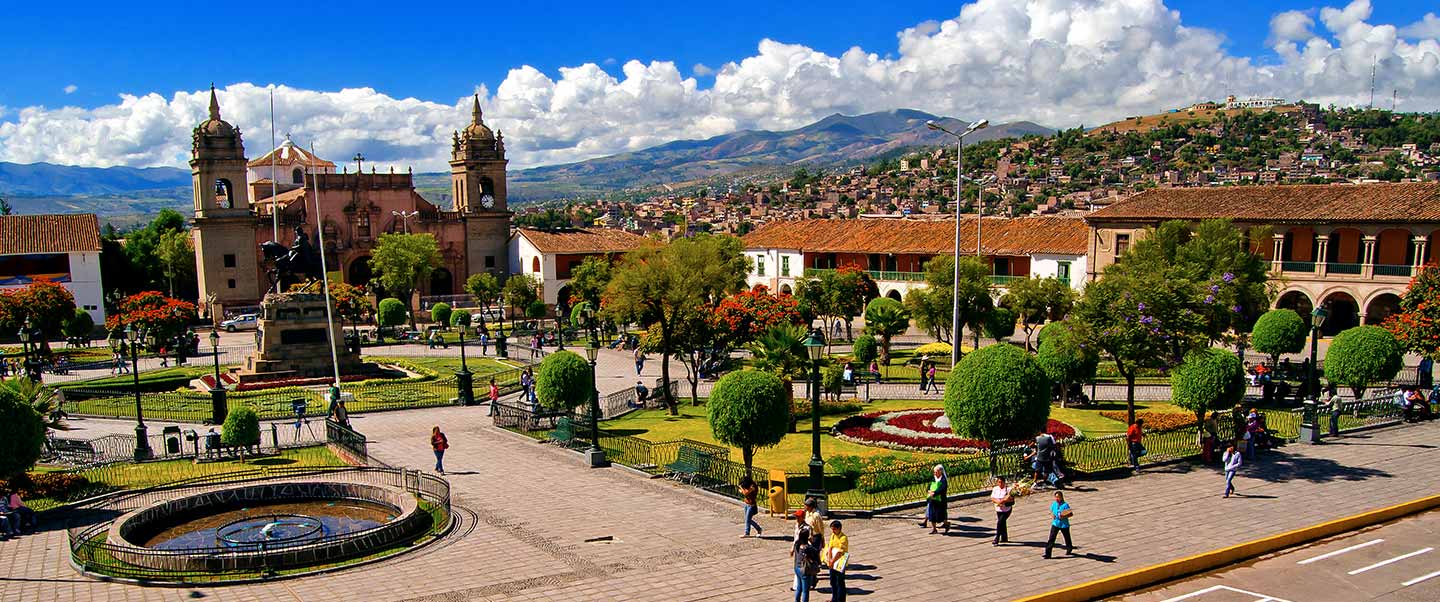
(80, 325)
(460, 319)
(22, 434)
(1208, 379)
(1000, 324)
(1362, 356)
(389, 314)
(864, 349)
(563, 381)
(241, 429)
(1048, 331)
(1066, 359)
(1277, 332)
(535, 310)
(749, 409)
(997, 393)
(440, 314)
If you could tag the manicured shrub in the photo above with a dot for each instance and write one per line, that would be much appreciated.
(1277, 332)
(1208, 379)
(79, 325)
(1000, 323)
(749, 409)
(1048, 331)
(997, 393)
(22, 434)
(1065, 359)
(242, 428)
(864, 348)
(460, 319)
(440, 313)
(535, 310)
(563, 381)
(1362, 356)
(390, 313)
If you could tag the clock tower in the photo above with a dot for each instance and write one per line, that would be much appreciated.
(477, 182)
(224, 225)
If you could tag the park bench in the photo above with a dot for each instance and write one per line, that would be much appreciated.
(564, 433)
(73, 451)
(690, 462)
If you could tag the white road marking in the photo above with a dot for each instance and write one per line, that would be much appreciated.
(1339, 552)
(1385, 562)
(1217, 588)
(1421, 578)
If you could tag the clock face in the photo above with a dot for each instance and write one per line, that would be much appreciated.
(487, 201)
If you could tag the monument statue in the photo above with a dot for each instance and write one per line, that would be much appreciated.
(299, 264)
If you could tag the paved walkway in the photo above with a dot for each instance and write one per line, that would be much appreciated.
(526, 512)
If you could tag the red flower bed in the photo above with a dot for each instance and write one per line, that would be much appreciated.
(915, 430)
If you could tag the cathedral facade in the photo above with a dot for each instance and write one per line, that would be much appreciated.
(240, 203)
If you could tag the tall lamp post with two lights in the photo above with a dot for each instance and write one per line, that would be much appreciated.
(142, 437)
(815, 349)
(592, 353)
(27, 340)
(1310, 419)
(980, 214)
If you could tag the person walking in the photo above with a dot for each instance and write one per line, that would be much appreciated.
(1336, 406)
(639, 360)
(922, 378)
(1232, 460)
(935, 503)
(1060, 514)
(1134, 439)
(1004, 502)
(749, 490)
(527, 381)
(484, 343)
(930, 378)
(805, 557)
(439, 443)
(837, 556)
(494, 396)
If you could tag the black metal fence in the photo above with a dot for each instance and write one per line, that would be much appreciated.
(347, 442)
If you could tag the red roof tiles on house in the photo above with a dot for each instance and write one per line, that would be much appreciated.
(583, 240)
(1403, 202)
(1001, 236)
(72, 233)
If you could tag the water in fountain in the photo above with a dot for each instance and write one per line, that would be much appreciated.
(288, 524)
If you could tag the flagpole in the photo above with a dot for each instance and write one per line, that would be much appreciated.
(274, 210)
(325, 274)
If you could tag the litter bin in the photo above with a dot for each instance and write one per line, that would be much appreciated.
(172, 440)
(778, 503)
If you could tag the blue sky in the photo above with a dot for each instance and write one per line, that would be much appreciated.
(113, 83)
(431, 50)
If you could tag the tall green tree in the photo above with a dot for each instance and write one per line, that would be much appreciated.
(1209, 379)
(1417, 324)
(402, 261)
(658, 287)
(176, 255)
(932, 306)
(142, 248)
(1037, 301)
(886, 318)
(749, 410)
(780, 350)
(589, 279)
(1065, 357)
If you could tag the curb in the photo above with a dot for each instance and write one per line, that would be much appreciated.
(1204, 561)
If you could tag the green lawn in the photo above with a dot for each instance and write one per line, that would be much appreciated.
(177, 376)
(446, 366)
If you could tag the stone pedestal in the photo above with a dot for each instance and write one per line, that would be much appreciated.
(294, 340)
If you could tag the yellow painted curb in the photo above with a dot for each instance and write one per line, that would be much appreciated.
(1204, 561)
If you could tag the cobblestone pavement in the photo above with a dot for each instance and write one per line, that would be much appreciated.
(526, 512)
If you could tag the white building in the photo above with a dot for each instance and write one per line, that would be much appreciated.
(548, 256)
(62, 248)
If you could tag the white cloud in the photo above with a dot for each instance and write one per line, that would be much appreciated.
(1057, 62)
(1426, 27)
(70, 89)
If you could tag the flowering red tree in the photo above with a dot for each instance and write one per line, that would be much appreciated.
(350, 301)
(48, 306)
(160, 316)
(1417, 325)
(738, 318)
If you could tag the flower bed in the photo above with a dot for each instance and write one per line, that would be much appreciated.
(916, 430)
(1155, 421)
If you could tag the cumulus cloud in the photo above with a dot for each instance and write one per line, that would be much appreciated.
(1057, 62)
(1426, 27)
(70, 89)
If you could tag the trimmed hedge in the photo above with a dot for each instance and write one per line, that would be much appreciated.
(563, 381)
(749, 409)
(997, 393)
(1362, 356)
(1279, 331)
(1209, 379)
(865, 349)
(22, 433)
(242, 427)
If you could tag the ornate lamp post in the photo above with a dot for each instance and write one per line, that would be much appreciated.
(500, 351)
(218, 408)
(815, 348)
(1309, 424)
(592, 353)
(25, 334)
(464, 380)
(142, 438)
(560, 311)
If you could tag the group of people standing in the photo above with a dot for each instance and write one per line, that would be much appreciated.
(927, 377)
(810, 550)
(1002, 497)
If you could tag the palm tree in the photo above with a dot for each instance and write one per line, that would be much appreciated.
(780, 350)
(886, 318)
(43, 399)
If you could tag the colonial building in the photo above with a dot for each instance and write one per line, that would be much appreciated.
(353, 210)
(893, 252)
(1350, 248)
(550, 255)
(61, 248)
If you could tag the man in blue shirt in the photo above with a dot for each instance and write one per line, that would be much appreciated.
(1059, 523)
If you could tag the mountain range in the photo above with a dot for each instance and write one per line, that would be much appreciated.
(834, 140)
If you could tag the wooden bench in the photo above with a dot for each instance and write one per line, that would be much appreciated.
(690, 462)
(73, 451)
(564, 433)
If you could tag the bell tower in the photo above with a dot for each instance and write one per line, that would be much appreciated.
(224, 224)
(477, 182)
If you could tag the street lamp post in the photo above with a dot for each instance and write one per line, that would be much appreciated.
(218, 404)
(815, 348)
(980, 213)
(464, 380)
(560, 326)
(592, 353)
(500, 350)
(142, 438)
(405, 218)
(1310, 423)
(25, 335)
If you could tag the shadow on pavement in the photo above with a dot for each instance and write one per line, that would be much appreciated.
(1276, 467)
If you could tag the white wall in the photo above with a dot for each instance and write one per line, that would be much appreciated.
(1044, 265)
(772, 259)
(85, 284)
(522, 259)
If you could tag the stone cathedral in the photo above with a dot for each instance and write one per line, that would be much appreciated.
(237, 200)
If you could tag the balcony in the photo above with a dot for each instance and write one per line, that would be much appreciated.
(1392, 270)
(1298, 266)
(876, 275)
(1344, 268)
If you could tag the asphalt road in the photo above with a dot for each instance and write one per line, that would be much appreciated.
(1394, 562)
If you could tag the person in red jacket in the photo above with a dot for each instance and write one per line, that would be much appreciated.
(1133, 437)
(439, 443)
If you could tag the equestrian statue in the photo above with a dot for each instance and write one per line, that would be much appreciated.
(299, 264)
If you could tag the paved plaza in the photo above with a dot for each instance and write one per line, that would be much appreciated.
(535, 524)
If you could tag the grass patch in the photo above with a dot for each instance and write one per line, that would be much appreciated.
(446, 366)
(164, 379)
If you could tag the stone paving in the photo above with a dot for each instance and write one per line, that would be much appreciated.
(527, 510)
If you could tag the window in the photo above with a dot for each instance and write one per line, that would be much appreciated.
(230, 283)
(1122, 244)
(535, 264)
(784, 265)
(362, 225)
(1062, 272)
(229, 260)
(759, 265)
(489, 261)
(297, 176)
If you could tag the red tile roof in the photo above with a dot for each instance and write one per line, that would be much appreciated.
(1404, 202)
(68, 233)
(1001, 236)
(583, 240)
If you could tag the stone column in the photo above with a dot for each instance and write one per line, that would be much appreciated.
(1276, 261)
(1322, 245)
(1367, 258)
(1419, 243)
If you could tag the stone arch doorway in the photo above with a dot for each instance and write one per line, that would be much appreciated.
(1381, 307)
(786, 290)
(894, 294)
(1297, 301)
(1344, 313)
(441, 282)
(359, 273)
